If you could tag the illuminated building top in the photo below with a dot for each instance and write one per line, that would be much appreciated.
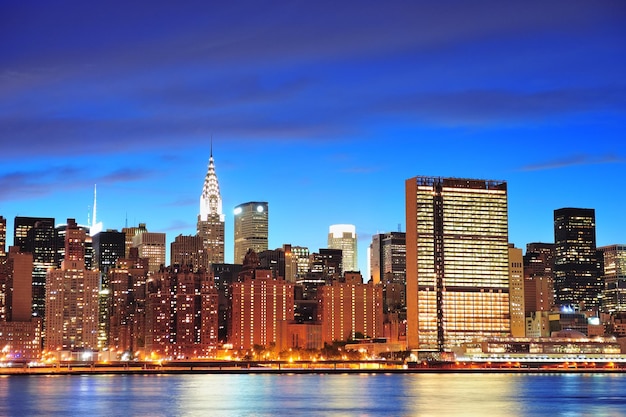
(211, 200)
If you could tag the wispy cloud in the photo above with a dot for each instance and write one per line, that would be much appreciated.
(19, 185)
(575, 160)
(178, 225)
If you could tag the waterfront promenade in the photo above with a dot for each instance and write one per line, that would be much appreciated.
(304, 367)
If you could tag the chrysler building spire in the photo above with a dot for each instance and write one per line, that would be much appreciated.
(211, 200)
(211, 218)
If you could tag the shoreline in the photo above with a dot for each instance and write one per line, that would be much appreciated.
(178, 370)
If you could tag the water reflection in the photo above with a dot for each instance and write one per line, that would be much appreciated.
(512, 395)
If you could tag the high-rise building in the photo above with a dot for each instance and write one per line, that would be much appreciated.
(457, 261)
(151, 245)
(302, 259)
(3, 237)
(127, 318)
(259, 305)
(251, 228)
(224, 275)
(274, 260)
(37, 235)
(538, 277)
(211, 218)
(343, 236)
(388, 267)
(108, 247)
(516, 292)
(181, 314)
(189, 251)
(20, 333)
(577, 281)
(349, 309)
(130, 233)
(16, 277)
(60, 231)
(72, 297)
(614, 277)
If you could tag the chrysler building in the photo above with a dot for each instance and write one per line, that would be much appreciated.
(211, 218)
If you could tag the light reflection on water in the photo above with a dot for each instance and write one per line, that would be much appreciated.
(511, 395)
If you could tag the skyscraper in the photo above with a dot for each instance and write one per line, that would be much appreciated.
(130, 233)
(516, 291)
(259, 304)
(37, 235)
(189, 251)
(614, 277)
(108, 247)
(388, 267)
(457, 261)
(577, 281)
(3, 237)
(251, 228)
(211, 219)
(349, 309)
(72, 297)
(181, 314)
(538, 277)
(343, 236)
(152, 246)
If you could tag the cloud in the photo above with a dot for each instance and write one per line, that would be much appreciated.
(478, 107)
(19, 185)
(575, 160)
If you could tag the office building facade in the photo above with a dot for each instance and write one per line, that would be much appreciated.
(343, 236)
(457, 262)
(349, 309)
(151, 245)
(614, 278)
(538, 277)
(516, 291)
(251, 228)
(577, 280)
(72, 297)
(37, 235)
(189, 251)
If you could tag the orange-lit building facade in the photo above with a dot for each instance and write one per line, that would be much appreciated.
(516, 292)
(127, 295)
(259, 305)
(20, 333)
(457, 262)
(538, 277)
(72, 297)
(181, 314)
(348, 308)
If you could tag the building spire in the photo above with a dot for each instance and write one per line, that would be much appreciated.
(95, 227)
(211, 199)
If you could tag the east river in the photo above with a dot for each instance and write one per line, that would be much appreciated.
(443, 394)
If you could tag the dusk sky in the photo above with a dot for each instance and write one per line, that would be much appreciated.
(323, 109)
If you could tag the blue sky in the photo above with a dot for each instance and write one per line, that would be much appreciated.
(323, 109)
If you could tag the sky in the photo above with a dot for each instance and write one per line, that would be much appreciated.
(323, 109)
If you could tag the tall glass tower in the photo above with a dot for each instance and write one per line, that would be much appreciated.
(343, 236)
(456, 262)
(577, 277)
(251, 228)
(211, 219)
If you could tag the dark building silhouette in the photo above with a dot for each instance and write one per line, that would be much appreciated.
(224, 275)
(37, 235)
(577, 278)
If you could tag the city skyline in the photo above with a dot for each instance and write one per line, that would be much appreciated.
(323, 115)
